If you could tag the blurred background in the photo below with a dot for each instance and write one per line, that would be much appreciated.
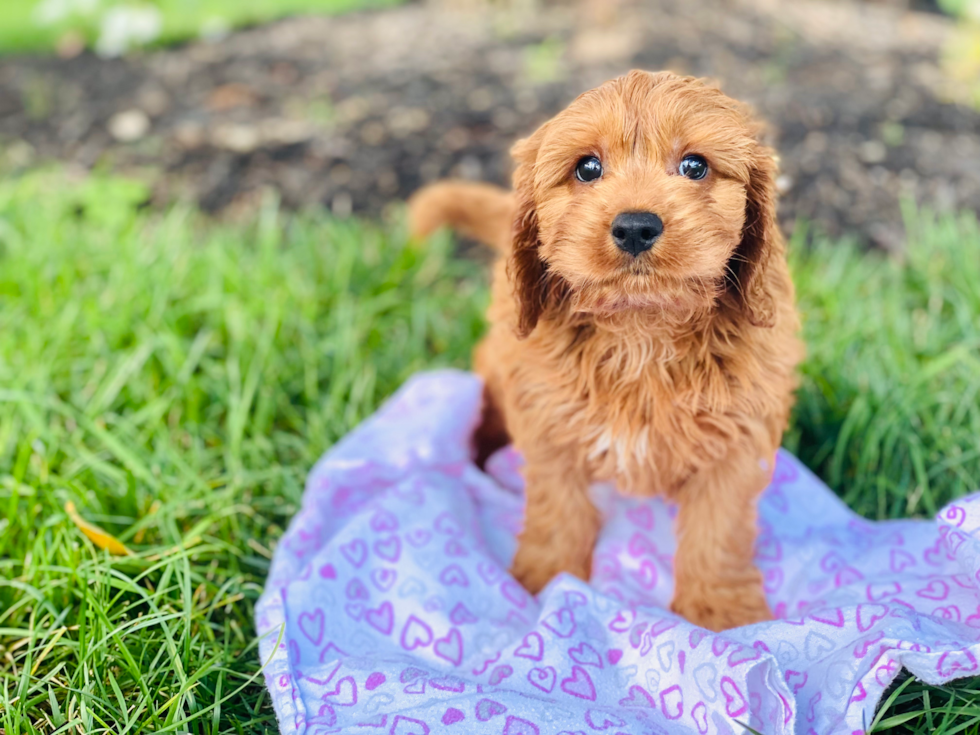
(205, 282)
(870, 102)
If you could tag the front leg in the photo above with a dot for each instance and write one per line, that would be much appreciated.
(561, 524)
(717, 584)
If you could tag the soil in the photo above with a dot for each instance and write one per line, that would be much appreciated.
(358, 111)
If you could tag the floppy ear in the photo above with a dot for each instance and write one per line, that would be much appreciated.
(760, 243)
(527, 272)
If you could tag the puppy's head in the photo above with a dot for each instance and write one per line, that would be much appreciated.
(649, 192)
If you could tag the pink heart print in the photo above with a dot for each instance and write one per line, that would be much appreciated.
(454, 575)
(561, 623)
(638, 697)
(355, 552)
(543, 678)
(381, 619)
(532, 647)
(461, 615)
(500, 673)
(579, 684)
(389, 607)
(389, 549)
(311, 624)
(344, 694)
(415, 634)
(586, 655)
(450, 647)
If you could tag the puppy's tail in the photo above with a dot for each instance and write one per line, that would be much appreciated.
(480, 211)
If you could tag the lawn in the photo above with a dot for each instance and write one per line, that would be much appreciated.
(175, 378)
(38, 25)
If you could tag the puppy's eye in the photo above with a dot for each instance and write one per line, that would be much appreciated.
(693, 167)
(588, 169)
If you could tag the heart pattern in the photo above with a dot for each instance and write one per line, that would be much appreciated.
(452, 716)
(344, 694)
(868, 614)
(389, 549)
(586, 655)
(579, 684)
(561, 622)
(487, 709)
(543, 678)
(638, 697)
(532, 647)
(461, 615)
(311, 625)
(500, 673)
(602, 720)
(454, 575)
(400, 554)
(382, 619)
(450, 647)
(415, 634)
(384, 578)
(937, 589)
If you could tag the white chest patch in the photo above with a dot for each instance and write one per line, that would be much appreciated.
(626, 449)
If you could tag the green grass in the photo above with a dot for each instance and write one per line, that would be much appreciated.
(176, 378)
(889, 411)
(22, 30)
(176, 381)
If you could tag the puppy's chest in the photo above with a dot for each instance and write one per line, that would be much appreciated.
(634, 438)
(639, 416)
(650, 428)
(615, 450)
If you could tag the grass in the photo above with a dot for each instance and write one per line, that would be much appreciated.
(26, 27)
(176, 378)
(176, 381)
(889, 411)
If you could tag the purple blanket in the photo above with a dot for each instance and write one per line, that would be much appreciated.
(389, 609)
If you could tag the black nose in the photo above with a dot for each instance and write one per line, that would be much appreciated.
(635, 232)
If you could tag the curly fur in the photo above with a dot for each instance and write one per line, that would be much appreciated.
(671, 373)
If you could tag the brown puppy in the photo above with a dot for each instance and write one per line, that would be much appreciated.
(642, 330)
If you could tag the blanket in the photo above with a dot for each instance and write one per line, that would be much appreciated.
(389, 608)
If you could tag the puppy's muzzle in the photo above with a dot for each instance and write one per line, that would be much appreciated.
(635, 232)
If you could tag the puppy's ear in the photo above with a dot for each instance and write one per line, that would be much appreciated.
(528, 273)
(759, 244)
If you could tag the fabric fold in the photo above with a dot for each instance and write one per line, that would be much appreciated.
(389, 609)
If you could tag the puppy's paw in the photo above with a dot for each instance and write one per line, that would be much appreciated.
(535, 566)
(723, 607)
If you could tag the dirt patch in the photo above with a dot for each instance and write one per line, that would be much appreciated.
(358, 111)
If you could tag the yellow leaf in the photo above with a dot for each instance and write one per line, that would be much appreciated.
(100, 538)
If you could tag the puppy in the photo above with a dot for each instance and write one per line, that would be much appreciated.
(642, 328)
